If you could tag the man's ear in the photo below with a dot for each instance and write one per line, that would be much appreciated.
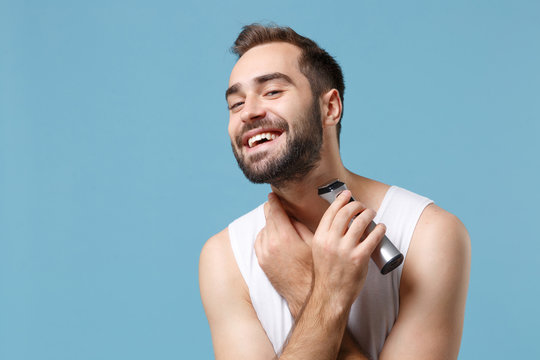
(332, 108)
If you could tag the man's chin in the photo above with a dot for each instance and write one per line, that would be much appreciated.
(254, 160)
(256, 173)
(259, 172)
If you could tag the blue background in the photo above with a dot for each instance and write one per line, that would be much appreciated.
(115, 163)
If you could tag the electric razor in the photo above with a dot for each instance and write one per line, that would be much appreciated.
(386, 256)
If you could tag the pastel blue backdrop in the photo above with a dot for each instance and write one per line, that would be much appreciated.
(115, 163)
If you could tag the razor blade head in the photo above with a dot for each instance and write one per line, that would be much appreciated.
(330, 191)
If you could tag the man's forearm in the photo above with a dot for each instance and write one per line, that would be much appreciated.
(349, 349)
(318, 331)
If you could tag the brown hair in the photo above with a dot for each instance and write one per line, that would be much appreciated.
(320, 68)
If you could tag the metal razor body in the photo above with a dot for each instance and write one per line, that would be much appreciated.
(386, 256)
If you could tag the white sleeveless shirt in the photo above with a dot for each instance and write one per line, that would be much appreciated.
(374, 311)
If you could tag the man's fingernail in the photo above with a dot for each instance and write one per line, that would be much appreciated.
(344, 193)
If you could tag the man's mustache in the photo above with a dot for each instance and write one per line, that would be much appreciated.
(262, 123)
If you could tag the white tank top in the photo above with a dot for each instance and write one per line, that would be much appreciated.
(375, 310)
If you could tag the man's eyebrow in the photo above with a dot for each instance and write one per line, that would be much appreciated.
(232, 90)
(260, 80)
(273, 76)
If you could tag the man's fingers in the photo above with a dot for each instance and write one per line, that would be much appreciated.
(274, 212)
(345, 216)
(277, 216)
(359, 226)
(330, 214)
(275, 209)
(366, 247)
(303, 231)
(266, 209)
(258, 246)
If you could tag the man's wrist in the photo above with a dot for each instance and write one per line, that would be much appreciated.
(350, 349)
(295, 308)
(331, 308)
(296, 304)
(317, 320)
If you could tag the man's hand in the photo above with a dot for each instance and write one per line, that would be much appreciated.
(284, 253)
(341, 252)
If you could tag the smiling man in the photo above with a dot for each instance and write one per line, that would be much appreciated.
(293, 279)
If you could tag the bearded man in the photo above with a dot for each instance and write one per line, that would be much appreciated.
(293, 279)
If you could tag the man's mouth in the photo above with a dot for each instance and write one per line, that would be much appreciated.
(261, 138)
(257, 137)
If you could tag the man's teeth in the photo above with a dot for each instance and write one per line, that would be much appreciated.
(266, 136)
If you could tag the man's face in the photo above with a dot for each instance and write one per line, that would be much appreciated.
(275, 122)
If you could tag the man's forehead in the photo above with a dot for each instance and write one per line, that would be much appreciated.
(267, 58)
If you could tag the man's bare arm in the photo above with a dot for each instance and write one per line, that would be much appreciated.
(236, 330)
(433, 290)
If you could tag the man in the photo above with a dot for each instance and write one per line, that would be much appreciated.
(293, 279)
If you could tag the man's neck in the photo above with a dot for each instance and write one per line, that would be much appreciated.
(301, 200)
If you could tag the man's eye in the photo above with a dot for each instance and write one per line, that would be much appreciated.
(235, 105)
(273, 92)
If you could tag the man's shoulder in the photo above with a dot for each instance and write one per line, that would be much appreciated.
(215, 252)
(439, 225)
(243, 230)
(216, 243)
(440, 248)
(218, 251)
(220, 242)
(217, 266)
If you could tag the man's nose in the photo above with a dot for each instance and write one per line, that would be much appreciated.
(253, 109)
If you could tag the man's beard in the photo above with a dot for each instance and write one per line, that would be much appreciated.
(301, 154)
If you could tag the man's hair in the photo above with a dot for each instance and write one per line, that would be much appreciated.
(320, 68)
